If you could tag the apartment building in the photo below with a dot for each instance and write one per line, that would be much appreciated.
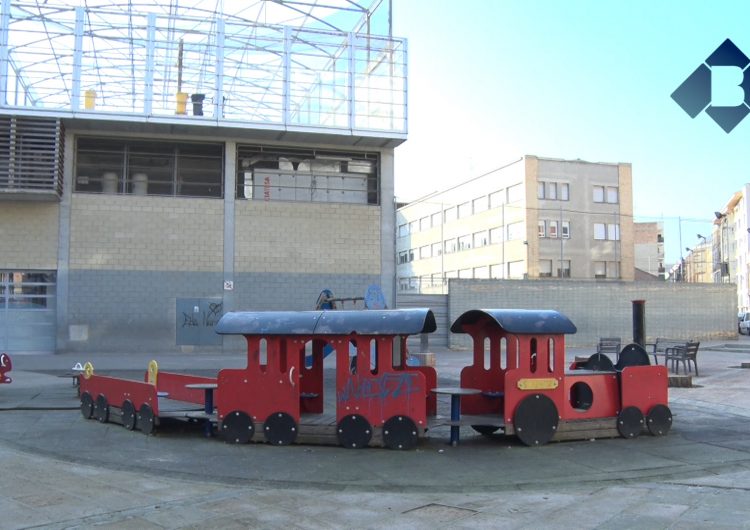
(648, 239)
(162, 164)
(531, 218)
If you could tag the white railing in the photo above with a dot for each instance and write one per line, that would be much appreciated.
(104, 61)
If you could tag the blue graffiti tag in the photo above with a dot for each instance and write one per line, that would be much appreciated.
(387, 385)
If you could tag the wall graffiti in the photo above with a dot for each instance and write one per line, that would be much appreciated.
(389, 385)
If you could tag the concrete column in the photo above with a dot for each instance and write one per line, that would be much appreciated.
(387, 228)
(63, 245)
(230, 179)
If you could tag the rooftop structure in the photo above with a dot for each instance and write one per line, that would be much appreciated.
(273, 65)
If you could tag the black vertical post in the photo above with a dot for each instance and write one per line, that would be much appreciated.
(639, 322)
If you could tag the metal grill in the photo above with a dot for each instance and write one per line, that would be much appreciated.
(31, 157)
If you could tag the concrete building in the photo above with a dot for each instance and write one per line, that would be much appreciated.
(532, 218)
(698, 263)
(648, 239)
(132, 218)
(731, 248)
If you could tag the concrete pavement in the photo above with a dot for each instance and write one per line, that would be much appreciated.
(60, 471)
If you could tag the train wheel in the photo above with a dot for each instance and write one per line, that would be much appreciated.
(280, 429)
(535, 420)
(486, 430)
(237, 427)
(630, 422)
(659, 420)
(128, 415)
(400, 432)
(146, 419)
(87, 406)
(101, 409)
(354, 431)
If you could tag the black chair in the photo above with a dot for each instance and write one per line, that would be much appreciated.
(685, 355)
(609, 345)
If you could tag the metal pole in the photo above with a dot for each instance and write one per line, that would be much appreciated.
(639, 322)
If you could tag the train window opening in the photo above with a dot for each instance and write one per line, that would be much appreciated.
(374, 353)
(398, 352)
(487, 353)
(503, 352)
(263, 355)
(533, 356)
(550, 355)
(308, 348)
(581, 397)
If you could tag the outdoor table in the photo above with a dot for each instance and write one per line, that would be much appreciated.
(455, 393)
(208, 398)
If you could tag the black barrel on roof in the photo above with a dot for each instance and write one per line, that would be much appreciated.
(530, 321)
(363, 322)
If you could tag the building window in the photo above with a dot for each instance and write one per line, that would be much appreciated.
(552, 229)
(613, 232)
(564, 191)
(545, 268)
(425, 252)
(600, 231)
(482, 272)
(403, 257)
(563, 268)
(607, 194)
(424, 223)
(598, 193)
(480, 204)
(437, 249)
(270, 173)
(497, 198)
(464, 242)
(516, 270)
(552, 191)
(516, 231)
(540, 190)
(413, 227)
(436, 218)
(496, 271)
(464, 210)
(480, 239)
(403, 230)
(451, 274)
(403, 284)
(450, 214)
(411, 254)
(496, 235)
(612, 195)
(450, 246)
(565, 230)
(600, 269)
(515, 193)
(144, 167)
(542, 229)
(465, 273)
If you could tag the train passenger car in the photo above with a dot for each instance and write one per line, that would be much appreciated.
(379, 398)
(528, 390)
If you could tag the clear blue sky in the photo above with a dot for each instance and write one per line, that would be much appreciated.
(490, 80)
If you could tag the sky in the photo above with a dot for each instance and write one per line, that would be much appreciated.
(492, 80)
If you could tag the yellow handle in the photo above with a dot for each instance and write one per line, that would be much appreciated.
(88, 370)
(153, 371)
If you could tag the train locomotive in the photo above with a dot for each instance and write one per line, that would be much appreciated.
(519, 383)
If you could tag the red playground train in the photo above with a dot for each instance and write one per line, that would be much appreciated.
(518, 383)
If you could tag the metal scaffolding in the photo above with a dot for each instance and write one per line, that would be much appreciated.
(329, 65)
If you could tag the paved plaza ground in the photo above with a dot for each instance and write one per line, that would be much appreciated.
(60, 471)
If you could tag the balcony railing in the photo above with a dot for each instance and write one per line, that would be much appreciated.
(103, 63)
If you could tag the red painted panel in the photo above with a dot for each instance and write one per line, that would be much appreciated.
(605, 392)
(492, 380)
(514, 395)
(174, 384)
(118, 390)
(644, 387)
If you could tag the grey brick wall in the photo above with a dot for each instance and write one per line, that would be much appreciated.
(135, 311)
(604, 309)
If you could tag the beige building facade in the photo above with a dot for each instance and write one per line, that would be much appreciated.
(532, 218)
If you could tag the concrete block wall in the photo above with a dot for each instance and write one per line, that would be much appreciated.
(28, 235)
(128, 232)
(604, 309)
(308, 238)
(131, 257)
